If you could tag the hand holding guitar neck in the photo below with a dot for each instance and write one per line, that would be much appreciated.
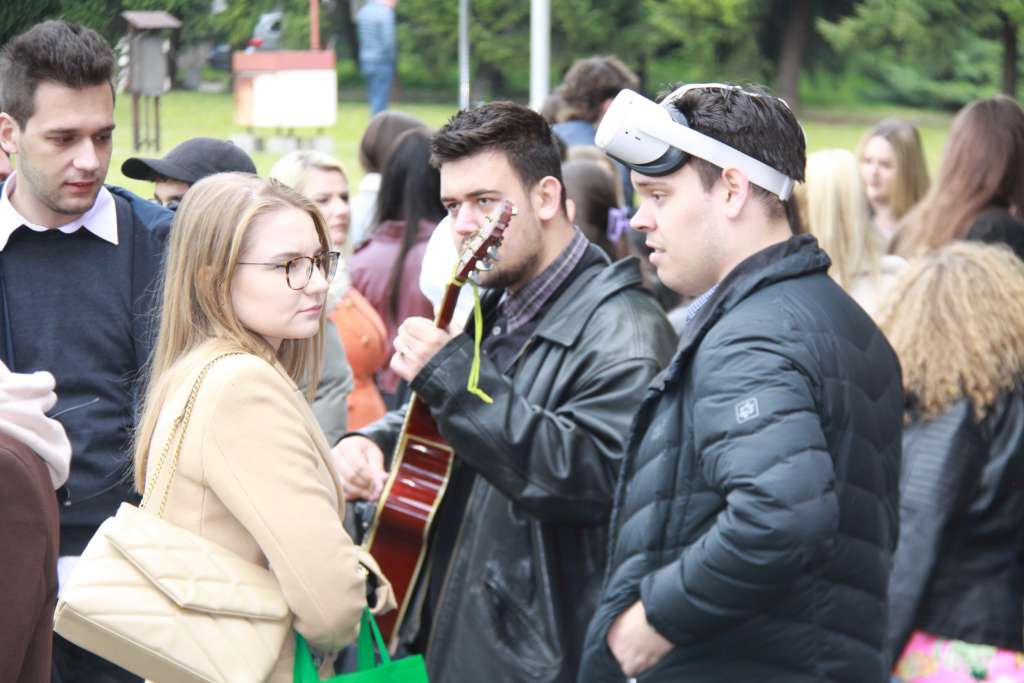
(420, 339)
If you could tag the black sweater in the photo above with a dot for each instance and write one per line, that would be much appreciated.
(82, 309)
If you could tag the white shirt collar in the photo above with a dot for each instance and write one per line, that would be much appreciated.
(100, 220)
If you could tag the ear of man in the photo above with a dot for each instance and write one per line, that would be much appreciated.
(9, 131)
(737, 192)
(547, 198)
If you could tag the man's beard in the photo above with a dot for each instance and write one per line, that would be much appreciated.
(507, 276)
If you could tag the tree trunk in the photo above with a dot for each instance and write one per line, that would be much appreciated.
(1009, 55)
(347, 11)
(794, 44)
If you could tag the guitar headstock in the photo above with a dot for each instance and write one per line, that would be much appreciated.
(482, 245)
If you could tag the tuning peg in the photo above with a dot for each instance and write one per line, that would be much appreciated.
(492, 253)
(472, 278)
(484, 266)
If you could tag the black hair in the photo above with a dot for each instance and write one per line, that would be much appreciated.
(55, 51)
(410, 191)
(520, 133)
(756, 123)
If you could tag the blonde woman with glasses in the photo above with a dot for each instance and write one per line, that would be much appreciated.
(248, 268)
(834, 208)
(351, 317)
(956, 320)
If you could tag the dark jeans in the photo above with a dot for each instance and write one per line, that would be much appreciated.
(72, 664)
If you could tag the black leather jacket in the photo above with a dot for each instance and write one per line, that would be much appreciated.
(959, 569)
(526, 570)
(756, 513)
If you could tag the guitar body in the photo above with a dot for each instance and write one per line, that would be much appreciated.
(422, 462)
(398, 538)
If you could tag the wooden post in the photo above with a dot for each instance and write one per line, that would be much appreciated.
(135, 122)
(314, 24)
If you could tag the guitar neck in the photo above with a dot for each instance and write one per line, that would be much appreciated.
(446, 310)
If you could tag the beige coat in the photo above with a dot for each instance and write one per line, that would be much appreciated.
(254, 475)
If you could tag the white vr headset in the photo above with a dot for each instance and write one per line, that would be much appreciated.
(656, 139)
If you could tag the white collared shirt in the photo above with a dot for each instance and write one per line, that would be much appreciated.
(100, 220)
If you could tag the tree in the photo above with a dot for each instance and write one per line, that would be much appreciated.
(933, 51)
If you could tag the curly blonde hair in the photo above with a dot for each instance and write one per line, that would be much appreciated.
(956, 320)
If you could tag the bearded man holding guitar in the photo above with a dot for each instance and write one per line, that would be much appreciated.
(537, 419)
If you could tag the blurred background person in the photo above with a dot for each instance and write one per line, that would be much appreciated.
(375, 146)
(386, 268)
(35, 457)
(594, 207)
(586, 92)
(979, 192)
(834, 208)
(895, 175)
(375, 24)
(185, 165)
(353, 334)
(956, 595)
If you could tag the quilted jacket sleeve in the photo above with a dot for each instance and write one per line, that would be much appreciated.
(760, 445)
(940, 460)
(265, 467)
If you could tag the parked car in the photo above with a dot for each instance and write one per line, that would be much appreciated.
(267, 34)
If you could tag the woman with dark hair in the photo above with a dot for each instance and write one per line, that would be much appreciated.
(979, 193)
(375, 147)
(591, 188)
(386, 268)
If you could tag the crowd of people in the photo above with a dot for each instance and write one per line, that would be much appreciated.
(755, 420)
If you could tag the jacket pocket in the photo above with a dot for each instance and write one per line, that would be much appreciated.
(517, 631)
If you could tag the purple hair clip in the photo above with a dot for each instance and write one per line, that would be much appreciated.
(618, 223)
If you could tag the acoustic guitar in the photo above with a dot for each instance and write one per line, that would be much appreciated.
(422, 462)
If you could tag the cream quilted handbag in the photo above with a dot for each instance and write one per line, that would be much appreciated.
(169, 605)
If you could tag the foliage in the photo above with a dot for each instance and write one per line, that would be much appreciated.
(934, 52)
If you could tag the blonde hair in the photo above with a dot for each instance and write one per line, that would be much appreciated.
(209, 232)
(911, 173)
(835, 209)
(956, 320)
(293, 168)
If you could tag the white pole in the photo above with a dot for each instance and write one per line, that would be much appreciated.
(463, 54)
(540, 51)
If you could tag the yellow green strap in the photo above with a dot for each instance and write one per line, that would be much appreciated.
(472, 385)
(478, 328)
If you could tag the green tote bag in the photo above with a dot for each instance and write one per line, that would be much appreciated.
(405, 670)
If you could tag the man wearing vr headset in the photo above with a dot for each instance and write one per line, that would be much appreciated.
(755, 523)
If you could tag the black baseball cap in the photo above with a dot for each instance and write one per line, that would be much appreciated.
(191, 161)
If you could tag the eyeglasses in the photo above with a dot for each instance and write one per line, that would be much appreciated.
(299, 270)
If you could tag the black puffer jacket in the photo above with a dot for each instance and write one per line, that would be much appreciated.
(757, 511)
(526, 569)
(960, 562)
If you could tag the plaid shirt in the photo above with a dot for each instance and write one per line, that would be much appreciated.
(520, 307)
(694, 308)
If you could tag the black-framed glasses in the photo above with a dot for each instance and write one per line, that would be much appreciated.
(299, 270)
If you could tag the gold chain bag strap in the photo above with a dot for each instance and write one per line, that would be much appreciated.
(167, 604)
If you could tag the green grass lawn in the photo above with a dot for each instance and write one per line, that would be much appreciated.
(192, 114)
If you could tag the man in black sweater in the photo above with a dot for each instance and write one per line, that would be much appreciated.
(78, 276)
